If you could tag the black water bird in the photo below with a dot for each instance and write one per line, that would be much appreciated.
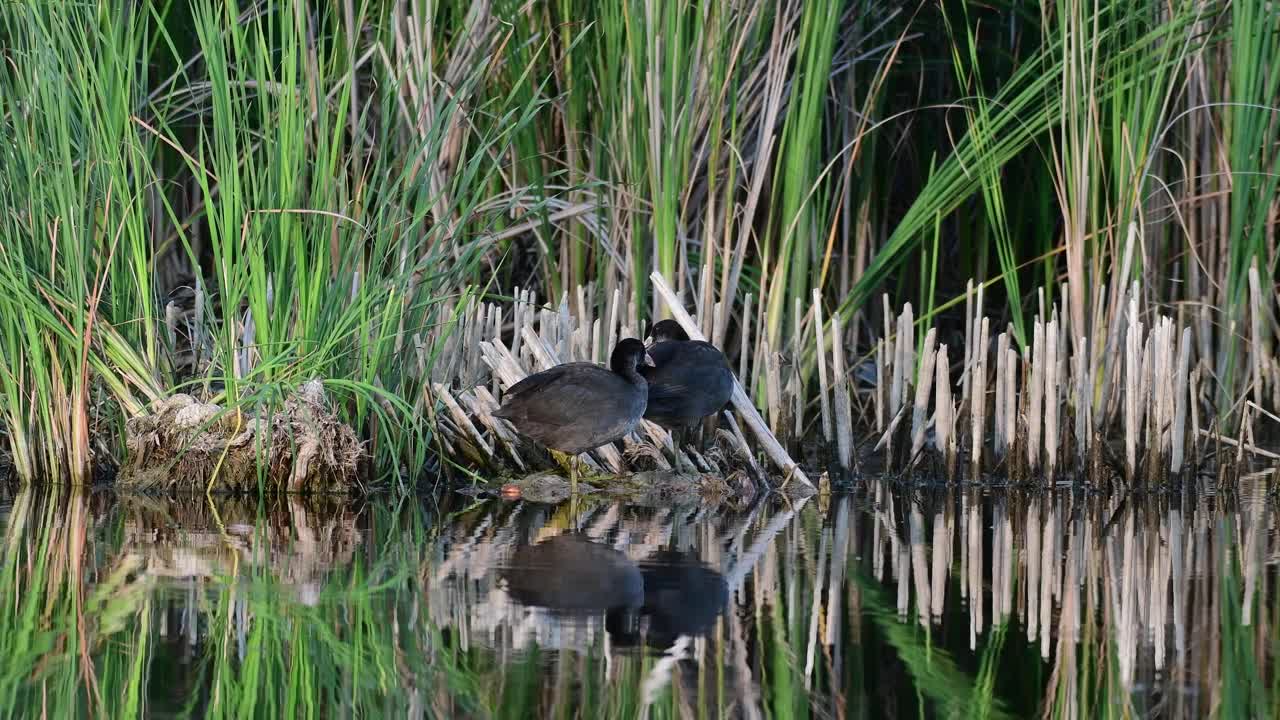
(576, 407)
(690, 379)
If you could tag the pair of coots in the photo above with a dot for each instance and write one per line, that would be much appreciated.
(576, 407)
(571, 575)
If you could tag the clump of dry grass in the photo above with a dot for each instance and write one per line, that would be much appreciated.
(188, 445)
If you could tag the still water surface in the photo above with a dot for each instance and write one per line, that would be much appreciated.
(884, 603)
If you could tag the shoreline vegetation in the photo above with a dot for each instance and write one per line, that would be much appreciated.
(1036, 241)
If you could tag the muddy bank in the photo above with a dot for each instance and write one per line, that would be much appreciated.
(190, 446)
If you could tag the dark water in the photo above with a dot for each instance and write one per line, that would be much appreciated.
(883, 603)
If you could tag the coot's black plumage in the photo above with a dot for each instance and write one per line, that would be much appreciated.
(690, 378)
(576, 407)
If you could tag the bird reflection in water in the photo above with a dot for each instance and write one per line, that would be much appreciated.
(669, 595)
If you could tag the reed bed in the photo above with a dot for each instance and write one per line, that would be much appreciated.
(1053, 407)
(230, 200)
(1056, 408)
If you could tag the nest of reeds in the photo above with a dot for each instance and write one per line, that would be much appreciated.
(188, 445)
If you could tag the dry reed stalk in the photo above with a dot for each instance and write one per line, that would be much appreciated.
(1051, 398)
(773, 387)
(595, 342)
(1255, 331)
(744, 349)
(821, 359)
(896, 390)
(1166, 388)
(485, 404)
(463, 421)
(944, 414)
(1082, 402)
(1181, 395)
(564, 329)
(843, 410)
(1131, 385)
(1011, 400)
(923, 388)
(1035, 411)
(879, 397)
(1000, 442)
(966, 372)
(1062, 386)
(715, 321)
(585, 316)
(908, 333)
(903, 369)
(979, 396)
(1144, 395)
(611, 332)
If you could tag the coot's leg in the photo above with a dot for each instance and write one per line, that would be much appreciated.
(710, 424)
(567, 462)
(684, 463)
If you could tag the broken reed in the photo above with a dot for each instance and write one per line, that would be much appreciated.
(1051, 407)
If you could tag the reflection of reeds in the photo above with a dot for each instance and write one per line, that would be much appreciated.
(1142, 598)
(1145, 604)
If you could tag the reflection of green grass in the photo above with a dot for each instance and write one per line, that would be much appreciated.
(933, 671)
(67, 648)
(1242, 685)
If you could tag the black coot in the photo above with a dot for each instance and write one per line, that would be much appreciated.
(691, 378)
(576, 407)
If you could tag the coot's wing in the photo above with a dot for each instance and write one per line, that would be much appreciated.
(708, 352)
(564, 399)
(665, 393)
(531, 383)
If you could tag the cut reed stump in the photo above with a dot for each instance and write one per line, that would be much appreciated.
(190, 446)
(1047, 410)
